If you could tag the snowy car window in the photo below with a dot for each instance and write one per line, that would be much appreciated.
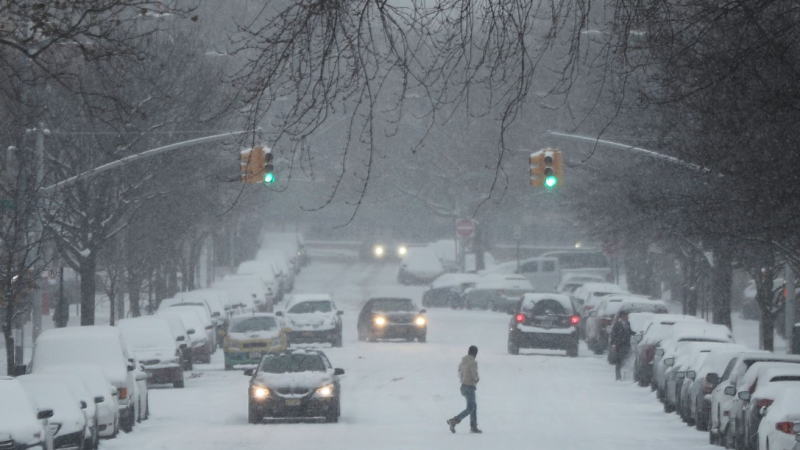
(393, 304)
(253, 324)
(323, 306)
(292, 363)
(546, 307)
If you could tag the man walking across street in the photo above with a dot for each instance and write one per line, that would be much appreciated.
(468, 373)
(620, 342)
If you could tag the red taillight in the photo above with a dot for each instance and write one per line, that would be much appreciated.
(763, 402)
(123, 393)
(520, 318)
(707, 387)
(785, 427)
(574, 320)
(649, 352)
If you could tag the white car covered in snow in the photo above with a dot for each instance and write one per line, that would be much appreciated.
(59, 346)
(780, 426)
(151, 342)
(68, 426)
(21, 421)
(421, 266)
(201, 347)
(313, 318)
(496, 292)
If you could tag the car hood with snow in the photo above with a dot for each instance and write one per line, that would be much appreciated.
(18, 416)
(295, 381)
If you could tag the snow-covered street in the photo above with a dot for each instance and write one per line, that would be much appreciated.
(397, 395)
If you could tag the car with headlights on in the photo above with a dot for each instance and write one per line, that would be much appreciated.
(68, 427)
(392, 318)
(312, 318)
(382, 250)
(250, 336)
(547, 321)
(151, 342)
(299, 383)
(21, 421)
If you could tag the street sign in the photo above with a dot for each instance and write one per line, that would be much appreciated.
(465, 228)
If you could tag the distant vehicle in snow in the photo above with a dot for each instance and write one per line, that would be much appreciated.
(644, 343)
(150, 340)
(392, 317)
(547, 321)
(21, 421)
(313, 318)
(569, 284)
(582, 262)
(600, 320)
(542, 272)
(294, 384)
(250, 336)
(200, 349)
(497, 292)
(382, 249)
(447, 289)
(421, 266)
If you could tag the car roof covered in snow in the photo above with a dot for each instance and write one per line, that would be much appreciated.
(299, 298)
(454, 279)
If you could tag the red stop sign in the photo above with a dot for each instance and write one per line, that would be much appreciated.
(465, 228)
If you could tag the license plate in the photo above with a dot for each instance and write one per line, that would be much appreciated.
(254, 355)
(292, 402)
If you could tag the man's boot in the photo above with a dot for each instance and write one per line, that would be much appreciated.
(452, 424)
(475, 429)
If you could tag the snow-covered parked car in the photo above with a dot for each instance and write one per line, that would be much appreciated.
(297, 383)
(265, 271)
(244, 292)
(570, 283)
(313, 318)
(421, 266)
(546, 321)
(201, 308)
(447, 289)
(21, 421)
(497, 292)
(199, 342)
(151, 342)
(250, 336)
(60, 346)
(96, 384)
(780, 426)
(68, 426)
(182, 338)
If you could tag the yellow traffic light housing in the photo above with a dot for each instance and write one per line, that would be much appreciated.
(251, 165)
(537, 169)
(546, 168)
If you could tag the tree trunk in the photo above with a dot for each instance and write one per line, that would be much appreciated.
(134, 292)
(639, 269)
(721, 281)
(87, 273)
(765, 302)
(8, 333)
(61, 314)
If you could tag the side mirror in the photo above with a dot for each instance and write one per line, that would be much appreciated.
(730, 390)
(99, 399)
(423, 311)
(744, 396)
(763, 411)
(83, 405)
(131, 365)
(44, 414)
(249, 372)
(339, 313)
(190, 331)
(337, 371)
(180, 339)
(279, 313)
(691, 374)
(712, 378)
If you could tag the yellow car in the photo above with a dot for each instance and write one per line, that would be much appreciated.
(250, 336)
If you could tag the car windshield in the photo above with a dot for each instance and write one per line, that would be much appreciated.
(309, 307)
(253, 324)
(546, 307)
(393, 304)
(295, 362)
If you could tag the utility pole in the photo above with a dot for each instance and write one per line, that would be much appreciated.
(789, 306)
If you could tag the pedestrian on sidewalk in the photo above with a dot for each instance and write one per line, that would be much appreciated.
(468, 374)
(620, 342)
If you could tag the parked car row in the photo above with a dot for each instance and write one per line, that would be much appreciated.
(745, 399)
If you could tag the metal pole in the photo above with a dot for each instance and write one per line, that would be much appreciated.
(789, 306)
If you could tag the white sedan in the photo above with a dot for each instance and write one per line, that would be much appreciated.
(780, 427)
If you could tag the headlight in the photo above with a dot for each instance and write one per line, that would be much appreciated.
(379, 321)
(420, 321)
(378, 251)
(402, 250)
(260, 392)
(325, 391)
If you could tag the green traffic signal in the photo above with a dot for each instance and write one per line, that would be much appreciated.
(550, 181)
(269, 178)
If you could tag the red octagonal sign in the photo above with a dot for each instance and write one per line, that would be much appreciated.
(465, 228)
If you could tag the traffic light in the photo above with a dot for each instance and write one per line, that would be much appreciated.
(269, 169)
(546, 168)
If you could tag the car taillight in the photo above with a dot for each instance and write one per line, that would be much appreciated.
(785, 427)
(520, 318)
(123, 393)
(574, 320)
(763, 402)
(649, 352)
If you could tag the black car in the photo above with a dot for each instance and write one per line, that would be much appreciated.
(294, 384)
(382, 250)
(392, 317)
(546, 321)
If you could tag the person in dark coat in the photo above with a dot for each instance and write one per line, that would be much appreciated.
(620, 341)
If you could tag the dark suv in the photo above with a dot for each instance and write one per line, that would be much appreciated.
(292, 384)
(390, 317)
(544, 321)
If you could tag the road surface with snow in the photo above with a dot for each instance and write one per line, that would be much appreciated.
(397, 395)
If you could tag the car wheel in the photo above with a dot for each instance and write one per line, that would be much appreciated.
(147, 406)
(127, 425)
(333, 416)
(253, 415)
(573, 351)
(667, 407)
(178, 384)
(513, 347)
(728, 438)
(700, 421)
(421, 338)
